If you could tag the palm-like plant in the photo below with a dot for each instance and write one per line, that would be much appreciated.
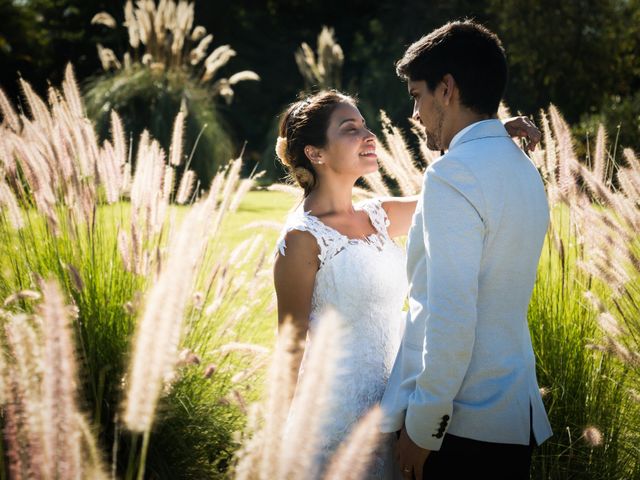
(168, 68)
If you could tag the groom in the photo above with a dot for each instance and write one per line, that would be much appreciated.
(463, 393)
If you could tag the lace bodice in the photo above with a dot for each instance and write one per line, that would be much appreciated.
(364, 280)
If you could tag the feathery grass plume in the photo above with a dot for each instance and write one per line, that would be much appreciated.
(632, 160)
(37, 107)
(131, 24)
(592, 436)
(61, 435)
(355, 454)
(4, 381)
(168, 183)
(187, 182)
(13, 428)
(396, 159)
(271, 225)
(21, 295)
(9, 116)
(325, 70)
(609, 325)
(243, 188)
(118, 139)
(242, 347)
(243, 250)
(567, 161)
(290, 189)
(600, 154)
(26, 375)
(107, 58)
(283, 443)
(198, 33)
(159, 329)
(263, 455)
(197, 54)
(217, 59)
(301, 443)
(9, 201)
(109, 172)
(231, 177)
(7, 160)
(243, 76)
(175, 153)
(72, 92)
(596, 186)
(629, 183)
(103, 18)
(261, 461)
(306, 61)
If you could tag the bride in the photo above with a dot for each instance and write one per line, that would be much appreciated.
(334, 253)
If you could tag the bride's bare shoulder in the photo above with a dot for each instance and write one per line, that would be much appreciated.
(298, 247)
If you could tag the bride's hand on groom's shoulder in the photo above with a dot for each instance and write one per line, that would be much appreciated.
(410, 457)
(523, 127)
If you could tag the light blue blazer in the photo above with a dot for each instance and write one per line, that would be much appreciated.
(466, 365)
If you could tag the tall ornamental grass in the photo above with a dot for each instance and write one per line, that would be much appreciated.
(157, 307)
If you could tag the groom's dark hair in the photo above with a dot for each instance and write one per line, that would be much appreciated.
(470, 53)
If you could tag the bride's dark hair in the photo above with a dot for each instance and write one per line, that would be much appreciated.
(303, 123)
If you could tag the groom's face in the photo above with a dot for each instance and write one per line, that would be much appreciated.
(428, 111)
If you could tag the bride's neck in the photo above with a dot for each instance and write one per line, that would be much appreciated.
(330, 198)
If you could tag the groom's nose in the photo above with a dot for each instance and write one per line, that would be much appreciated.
(416, 114)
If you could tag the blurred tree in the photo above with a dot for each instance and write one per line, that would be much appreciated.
(575, 54)
(39, 37)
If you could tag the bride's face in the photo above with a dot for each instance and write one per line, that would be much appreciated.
(351, 146)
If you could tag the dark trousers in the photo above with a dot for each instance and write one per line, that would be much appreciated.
(460, 458)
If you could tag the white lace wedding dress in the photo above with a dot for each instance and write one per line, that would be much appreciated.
(365, 282)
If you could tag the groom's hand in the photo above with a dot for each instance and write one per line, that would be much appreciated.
(410, 457)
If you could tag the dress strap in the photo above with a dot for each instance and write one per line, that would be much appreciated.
(329, 241)
(377, 214)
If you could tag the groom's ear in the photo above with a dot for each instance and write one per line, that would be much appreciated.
(449, 84)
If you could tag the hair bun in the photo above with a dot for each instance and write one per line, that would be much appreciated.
(304, 177)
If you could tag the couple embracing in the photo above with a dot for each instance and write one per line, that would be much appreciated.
(456, 375)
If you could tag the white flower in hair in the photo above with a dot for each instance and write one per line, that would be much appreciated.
(281, 149)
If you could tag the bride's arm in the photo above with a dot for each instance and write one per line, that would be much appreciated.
(522, 127)
(294, 276)
(400, 211)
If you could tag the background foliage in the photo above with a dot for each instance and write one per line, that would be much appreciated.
(579, 55)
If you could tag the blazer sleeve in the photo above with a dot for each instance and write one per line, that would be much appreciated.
(454, 232)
